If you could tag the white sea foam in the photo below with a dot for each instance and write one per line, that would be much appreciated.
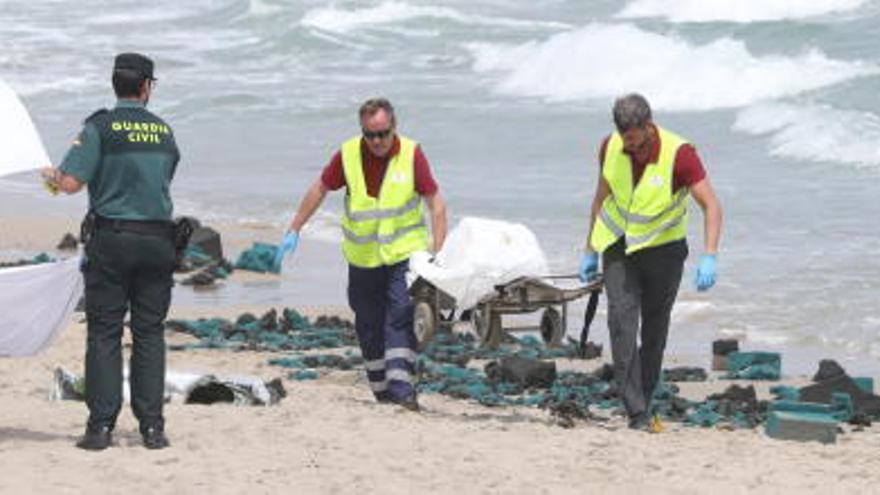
(599, 61)
(134, 17)
(342, 20)
(259, 8)
(815, 132)
(21, 183)
(69, 84)
(690, 310)
(736, 10)
(765, 337)
(324, 226)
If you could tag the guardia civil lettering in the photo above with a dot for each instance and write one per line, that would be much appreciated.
(141, 132)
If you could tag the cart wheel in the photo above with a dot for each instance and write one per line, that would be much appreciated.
(488, 326)
(424, 323)
(551, 327)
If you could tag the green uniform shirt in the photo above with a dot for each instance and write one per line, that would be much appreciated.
(127, 156)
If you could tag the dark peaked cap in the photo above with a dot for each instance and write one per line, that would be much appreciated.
(134, 62)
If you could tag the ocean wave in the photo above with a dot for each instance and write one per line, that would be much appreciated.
(815, 132)
(271, 215)
(340, 20)
(20, 183)
(62, 85)
(692, 310)
(736, 10)
(259, 8)
(600, 61)
(197, 13)
(770, 338)
(324, 226)
(143, 16)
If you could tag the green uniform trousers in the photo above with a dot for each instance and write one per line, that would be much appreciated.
(124, 272)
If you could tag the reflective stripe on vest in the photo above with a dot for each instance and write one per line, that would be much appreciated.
(649, 214)
(359, 216)
(387, 229)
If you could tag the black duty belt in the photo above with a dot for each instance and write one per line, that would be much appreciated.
(160, 228)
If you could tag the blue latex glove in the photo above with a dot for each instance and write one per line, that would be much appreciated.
(589, 267)
(706, 272)
(287, 246)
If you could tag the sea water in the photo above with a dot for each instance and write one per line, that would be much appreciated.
(510, 101)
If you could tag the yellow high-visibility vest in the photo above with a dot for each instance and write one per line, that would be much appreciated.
(387, 229)
(649, 214)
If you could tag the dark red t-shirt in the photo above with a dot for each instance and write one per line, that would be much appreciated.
(374, 166)
(687, 170)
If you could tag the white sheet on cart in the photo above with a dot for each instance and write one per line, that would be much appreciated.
(479, 254)
(36, 302)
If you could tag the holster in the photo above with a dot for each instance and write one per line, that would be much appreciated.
(87, 227)
(183, 230)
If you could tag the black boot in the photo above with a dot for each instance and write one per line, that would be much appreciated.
(410, 402)
(154, 438)
(95, 439)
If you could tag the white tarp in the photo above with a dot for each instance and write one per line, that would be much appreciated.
(36, 302)
(479, 254)
(22, 148)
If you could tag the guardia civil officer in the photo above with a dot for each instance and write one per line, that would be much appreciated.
(127, 157)
(639, 224)
(387, 180)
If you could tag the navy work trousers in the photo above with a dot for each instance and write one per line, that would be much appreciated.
(383, 319)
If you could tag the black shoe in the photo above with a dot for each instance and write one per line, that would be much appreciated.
(641, 422)
(647, 423)
(410, 403)
(154, 438)
(95, 439)
(383, 398)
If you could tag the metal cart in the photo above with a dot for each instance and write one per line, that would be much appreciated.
(435, 308)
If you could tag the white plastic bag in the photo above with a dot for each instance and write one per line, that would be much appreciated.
(479, 254)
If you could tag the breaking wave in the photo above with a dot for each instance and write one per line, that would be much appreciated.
(736, 10)
(596, 61)
(815, 132)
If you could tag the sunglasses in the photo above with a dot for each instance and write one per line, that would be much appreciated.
(369, 135)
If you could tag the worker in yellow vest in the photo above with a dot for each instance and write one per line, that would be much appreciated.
(638, 222)
(388, 179)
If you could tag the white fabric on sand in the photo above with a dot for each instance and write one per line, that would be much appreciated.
(36, 302)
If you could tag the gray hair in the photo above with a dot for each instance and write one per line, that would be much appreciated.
(631, 111)
(373, 105)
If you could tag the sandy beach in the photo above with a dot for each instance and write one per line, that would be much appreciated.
(328, 436)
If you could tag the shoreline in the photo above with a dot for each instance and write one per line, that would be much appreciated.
(316, 275)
